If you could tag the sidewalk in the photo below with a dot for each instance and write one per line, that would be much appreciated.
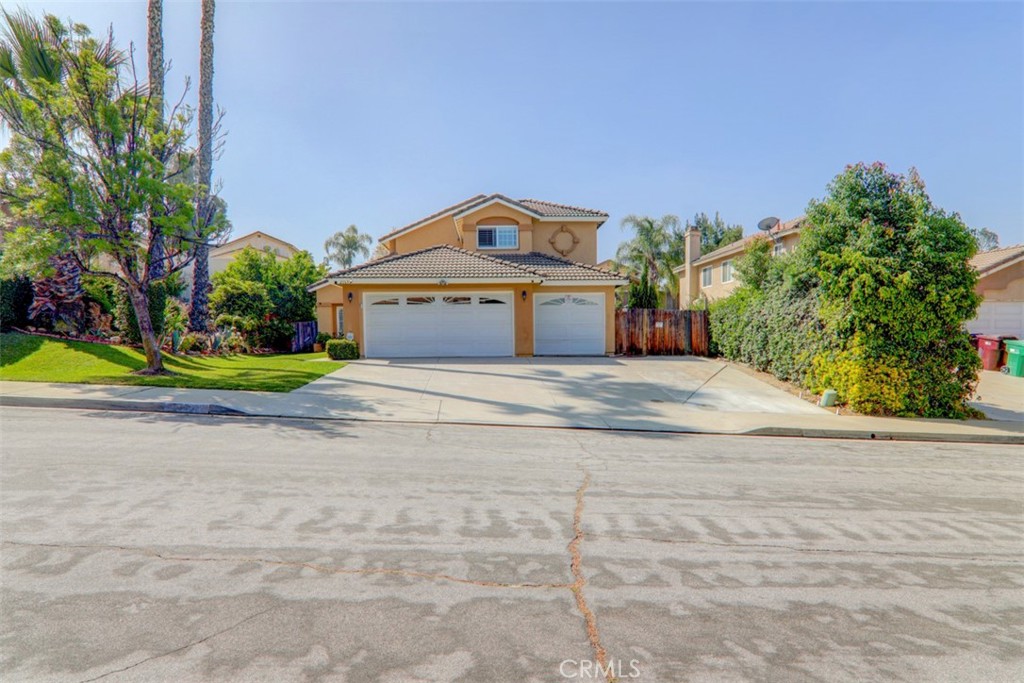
(312, 402)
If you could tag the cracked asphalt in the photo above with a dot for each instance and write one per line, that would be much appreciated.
(141, 547)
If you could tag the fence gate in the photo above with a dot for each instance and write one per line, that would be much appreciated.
(654, 332)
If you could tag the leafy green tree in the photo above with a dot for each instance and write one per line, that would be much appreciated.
(285, 281)
(754, 265)
(715, 233)
(345, 246)
(649, 253)
(896, 291)
(93, 168)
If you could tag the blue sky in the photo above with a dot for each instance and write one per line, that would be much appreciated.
(377, 114)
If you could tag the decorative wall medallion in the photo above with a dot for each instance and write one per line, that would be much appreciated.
(564, 240)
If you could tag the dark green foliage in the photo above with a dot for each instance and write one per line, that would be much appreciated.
(872, 303)
(642, 293)
(15, 298)
(124, 313)
(245, 307)
(342, 349)
(323, 337)
(102, 291)
(715, 233)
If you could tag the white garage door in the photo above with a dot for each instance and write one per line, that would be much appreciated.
(569, 325)
(438, 324)
(999, 317)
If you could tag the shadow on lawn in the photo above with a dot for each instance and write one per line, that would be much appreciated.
(14, 347)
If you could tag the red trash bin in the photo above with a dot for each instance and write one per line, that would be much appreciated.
(990, 348)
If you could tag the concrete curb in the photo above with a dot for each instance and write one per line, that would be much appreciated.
(119, 404)
(865, 434)
(215, 409)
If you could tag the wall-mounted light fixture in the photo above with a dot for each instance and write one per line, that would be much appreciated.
(524, 295)
(350, 297)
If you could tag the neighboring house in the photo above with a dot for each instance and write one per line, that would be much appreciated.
(489, 276)
(224, 254)
(1001, 284)
(712, 276)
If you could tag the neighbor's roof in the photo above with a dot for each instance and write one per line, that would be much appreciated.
(987, 261)
(537, 207)
(445, 262)
(234, 243)
(740, 245)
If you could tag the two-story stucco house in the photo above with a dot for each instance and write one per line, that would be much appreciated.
(712, 276)
(489, 276)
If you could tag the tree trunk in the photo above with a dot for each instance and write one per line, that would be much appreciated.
(140, 304)
(199, 306)
(155, 63)
(199, 313)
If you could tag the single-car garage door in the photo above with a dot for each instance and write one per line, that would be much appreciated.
(438, 324)
(569, 324)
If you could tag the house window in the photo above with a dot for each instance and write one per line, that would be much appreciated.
(498, 237)
(705, 277)
(727, 271)
(339, 321)
(779, 249)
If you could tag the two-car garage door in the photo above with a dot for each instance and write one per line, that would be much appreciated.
(418, 325)
(432, 324)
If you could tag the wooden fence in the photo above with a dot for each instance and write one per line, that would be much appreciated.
(646, 331)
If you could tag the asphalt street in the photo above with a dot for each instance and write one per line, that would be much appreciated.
(145, 547)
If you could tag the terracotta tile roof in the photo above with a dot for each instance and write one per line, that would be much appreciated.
(555, 268)
(993, 258)
(537, 206)
(448, 262)
(437, 214)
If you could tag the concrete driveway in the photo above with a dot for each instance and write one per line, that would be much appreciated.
(621, 393)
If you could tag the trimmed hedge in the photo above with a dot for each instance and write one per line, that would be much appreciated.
(342, 349)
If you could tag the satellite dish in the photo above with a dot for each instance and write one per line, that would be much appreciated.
(767, 224)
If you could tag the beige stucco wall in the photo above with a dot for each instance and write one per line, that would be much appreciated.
(534, 235)
(331, 296)
(690, 278)
(1003, 285)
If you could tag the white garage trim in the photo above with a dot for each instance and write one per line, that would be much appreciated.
(438, 323)
(569, 324)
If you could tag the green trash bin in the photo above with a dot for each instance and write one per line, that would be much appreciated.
(1014, 357)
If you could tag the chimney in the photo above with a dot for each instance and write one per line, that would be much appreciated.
(689, 286)
(692, 242)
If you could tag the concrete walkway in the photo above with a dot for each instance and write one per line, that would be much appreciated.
(693, 395)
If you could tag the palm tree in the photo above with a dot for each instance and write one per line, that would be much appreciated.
(155, 62)
(345, 245)
(199, 310)
(651, 250)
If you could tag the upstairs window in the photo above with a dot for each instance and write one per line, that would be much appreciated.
(497, 237)
(705, 277)
(778, 250)
(727, 271)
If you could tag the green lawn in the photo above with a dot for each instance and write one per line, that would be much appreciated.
(40, 359)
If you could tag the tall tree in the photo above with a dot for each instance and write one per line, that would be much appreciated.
(715, 233)
(986, 239)
(344, 246)
(199, 310)
(649, 252)
(155, 64)
(82, 174)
